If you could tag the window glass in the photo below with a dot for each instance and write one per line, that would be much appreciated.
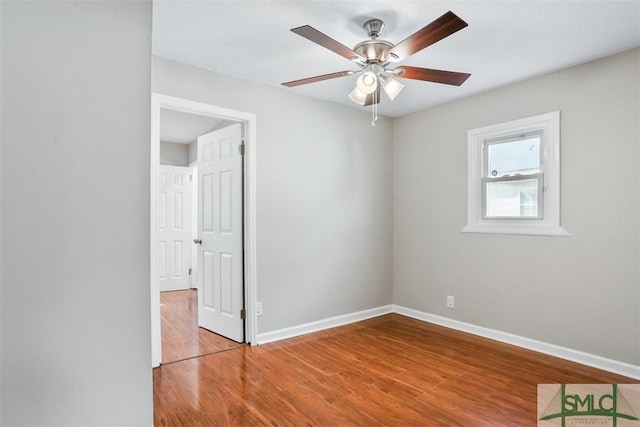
(529, 202)
(512, 199)
(508, 158)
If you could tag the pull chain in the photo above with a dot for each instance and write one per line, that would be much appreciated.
(374, 109)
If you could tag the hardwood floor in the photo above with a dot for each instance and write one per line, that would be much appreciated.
(181, 336)
(391, 370)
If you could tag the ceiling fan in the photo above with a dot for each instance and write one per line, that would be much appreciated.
(374, 56)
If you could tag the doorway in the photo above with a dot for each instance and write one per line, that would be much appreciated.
(200, 111)
(182, 338)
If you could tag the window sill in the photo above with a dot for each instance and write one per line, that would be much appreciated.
(523, 229)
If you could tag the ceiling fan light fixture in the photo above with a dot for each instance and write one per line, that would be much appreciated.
(392, 57)
(358, 96)
(392, 87)
(367, 83)
(373, 56)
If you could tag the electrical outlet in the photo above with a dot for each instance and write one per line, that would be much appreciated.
(450, 301)
(258, 309)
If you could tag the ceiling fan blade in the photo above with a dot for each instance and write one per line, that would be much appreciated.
(373, 98)
(430, 75)
(320, 78)
(325, 41)
(442, 27)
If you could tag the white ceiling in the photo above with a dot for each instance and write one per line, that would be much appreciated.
(505, 42)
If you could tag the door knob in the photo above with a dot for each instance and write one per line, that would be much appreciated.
(197, 241)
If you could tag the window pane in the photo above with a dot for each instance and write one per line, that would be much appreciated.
(510, 158)
(512, 198)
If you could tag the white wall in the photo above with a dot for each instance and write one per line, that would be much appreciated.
(174, 154)
(580, 292)
(324, 196)
(75, 211)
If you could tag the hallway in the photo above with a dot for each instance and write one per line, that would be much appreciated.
(181, 336)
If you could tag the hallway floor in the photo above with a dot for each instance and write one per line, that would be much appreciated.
(181, 336)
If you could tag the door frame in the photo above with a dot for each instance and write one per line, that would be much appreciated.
(158, 102)
(193, 278)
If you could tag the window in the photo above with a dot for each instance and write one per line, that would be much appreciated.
(514, 177)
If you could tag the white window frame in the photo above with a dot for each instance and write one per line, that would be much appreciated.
(549, 224)
(485, 178)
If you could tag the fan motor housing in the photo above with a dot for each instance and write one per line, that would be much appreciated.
(374, 51)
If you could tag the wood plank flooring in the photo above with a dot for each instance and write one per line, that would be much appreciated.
(391, 371)
(181, 336)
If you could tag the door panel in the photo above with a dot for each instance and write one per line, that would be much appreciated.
(174, 227)
(220, 296)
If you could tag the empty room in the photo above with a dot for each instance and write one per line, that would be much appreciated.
(319, 213)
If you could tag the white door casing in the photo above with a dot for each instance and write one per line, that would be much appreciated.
(249, 122)
(220, 253)
(174, 227)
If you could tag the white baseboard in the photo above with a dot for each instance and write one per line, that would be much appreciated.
(323, 324)
(622, 368)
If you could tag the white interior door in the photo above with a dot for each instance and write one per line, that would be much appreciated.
(174, 227)
(220, 265)
(193, 280)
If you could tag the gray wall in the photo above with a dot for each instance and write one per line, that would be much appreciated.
(75, 324)
(1, 213)
(580, 292)
(74, 313)
(174, 154)
(324, 196)
(193, 152)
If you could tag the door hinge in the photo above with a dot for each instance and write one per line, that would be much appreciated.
(241, 149)
(243, 314)
(190, 271)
